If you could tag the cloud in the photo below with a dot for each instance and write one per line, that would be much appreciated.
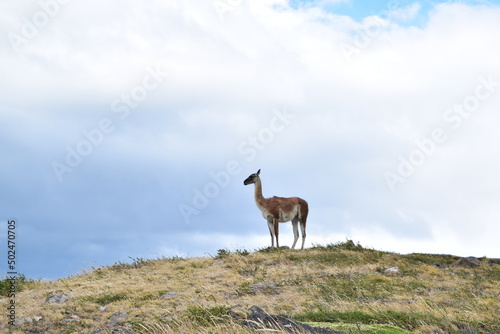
(364, 96)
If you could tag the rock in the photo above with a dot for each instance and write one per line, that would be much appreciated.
(470, 261)
(494, 261)
(122, 331)
(103, 308)
(116, 330)
(264, 287)
(260, 320)
(117, 318)
(392, 270)
(170, 295)
(23, 320)
(70, 319)
(57, 299)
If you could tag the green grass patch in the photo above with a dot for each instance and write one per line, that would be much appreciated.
(244, 289)
(136, 263)
(224, 253)
(431, 259)
(207, 316)
(8, 286)
(105, 299)
(402, 320)
(353, 287)
(349, 245)
(360, 328)
(351, 317)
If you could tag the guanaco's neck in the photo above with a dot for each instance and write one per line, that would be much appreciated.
(258, 193)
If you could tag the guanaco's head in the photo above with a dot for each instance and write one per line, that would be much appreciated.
(252, 178)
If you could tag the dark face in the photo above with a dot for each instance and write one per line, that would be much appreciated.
(252, 178)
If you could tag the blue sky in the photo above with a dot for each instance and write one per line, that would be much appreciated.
(127, 128)
(357, 10)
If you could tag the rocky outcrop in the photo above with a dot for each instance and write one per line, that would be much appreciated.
(57, 299)
(117, 318)
(259, 320)
(469, 262)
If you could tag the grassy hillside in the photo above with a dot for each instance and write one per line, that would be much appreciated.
(345, 286)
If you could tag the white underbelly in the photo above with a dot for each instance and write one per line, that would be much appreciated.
(283, 217)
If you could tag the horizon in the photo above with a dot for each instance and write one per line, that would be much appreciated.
(127, 129)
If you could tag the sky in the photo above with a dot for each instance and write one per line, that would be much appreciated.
(127, 128)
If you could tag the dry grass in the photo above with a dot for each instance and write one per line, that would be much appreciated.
(341, 283)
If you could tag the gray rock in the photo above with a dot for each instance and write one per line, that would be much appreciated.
(170, 295)
(392, 270)
(57, 299)
(70, 319)
(117, 318)
(115, 330)
(23, 320)
(120, 330)
(470, 261)
(494, 261)
(262, 321)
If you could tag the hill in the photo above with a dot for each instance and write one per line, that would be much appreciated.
(345, 287)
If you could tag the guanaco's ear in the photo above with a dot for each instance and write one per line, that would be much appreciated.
(258, 172)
